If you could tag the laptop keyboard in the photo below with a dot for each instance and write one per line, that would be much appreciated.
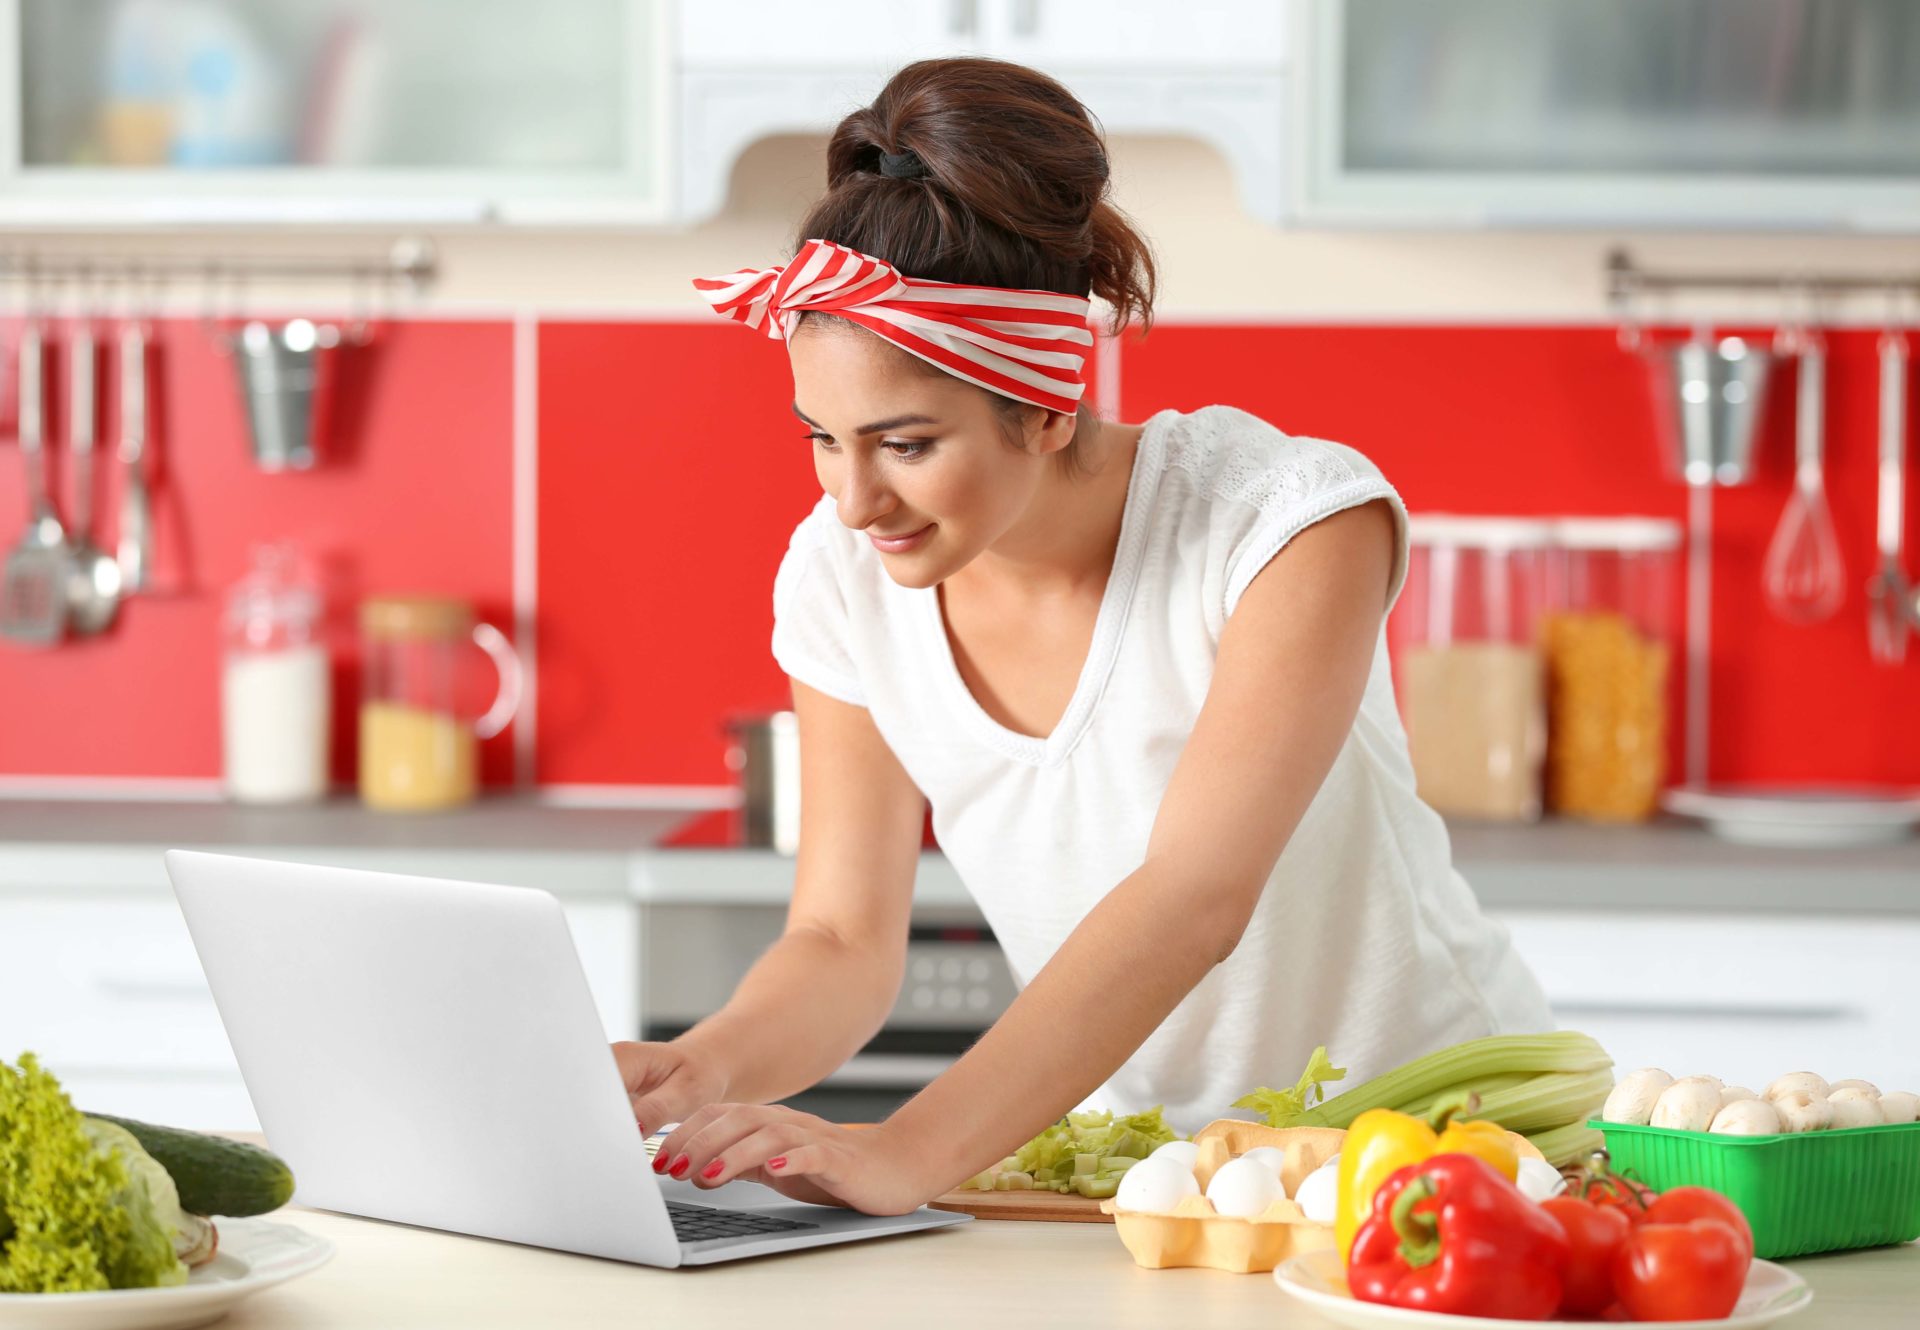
(702, 1223)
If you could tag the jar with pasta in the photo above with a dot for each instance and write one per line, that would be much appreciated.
(1609, 642)
(419, 742)
(1468, 667)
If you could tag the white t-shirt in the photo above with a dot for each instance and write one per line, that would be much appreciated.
(1365, 938)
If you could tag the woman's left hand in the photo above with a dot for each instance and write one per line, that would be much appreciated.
(796, 1154)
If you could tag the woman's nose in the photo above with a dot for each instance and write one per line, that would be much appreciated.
(863, 499)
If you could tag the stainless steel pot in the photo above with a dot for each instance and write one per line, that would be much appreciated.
(764, 751)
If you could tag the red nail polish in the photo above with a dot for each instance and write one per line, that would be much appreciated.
(779, 1162)
(660, 1161)
(680, 1166)
(713, 1170)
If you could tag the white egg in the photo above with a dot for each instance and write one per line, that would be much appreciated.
(1243, 1188)
(1274, 1161)
(1155, 1186)
(1187, 1152)
(1319, 1194)
(1538, 1179)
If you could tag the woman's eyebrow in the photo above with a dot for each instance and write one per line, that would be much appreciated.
(877, 427)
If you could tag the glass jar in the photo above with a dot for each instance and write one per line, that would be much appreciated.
(275, 685)
(1609, 639)
(1470, 674)
(419, 750)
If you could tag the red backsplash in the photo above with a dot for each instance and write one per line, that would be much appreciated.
(669, 480)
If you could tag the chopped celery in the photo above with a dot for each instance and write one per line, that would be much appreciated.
(1086, 1165)
(1097, 1189)
(1117, 1163)
(1013, 1182)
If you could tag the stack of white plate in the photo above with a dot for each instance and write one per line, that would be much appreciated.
(1799, 815)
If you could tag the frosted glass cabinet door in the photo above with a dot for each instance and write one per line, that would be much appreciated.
(1748, 112)
(331, 107)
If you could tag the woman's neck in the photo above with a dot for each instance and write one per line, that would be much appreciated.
(1065, 543)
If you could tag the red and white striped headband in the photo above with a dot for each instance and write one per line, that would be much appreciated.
(1027, 345)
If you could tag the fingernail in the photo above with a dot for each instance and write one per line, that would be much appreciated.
(713, 1170)
(680, 1166)
(779, 1162)
(642, 1126)
(660, 1162)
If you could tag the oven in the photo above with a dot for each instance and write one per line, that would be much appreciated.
(956, 985)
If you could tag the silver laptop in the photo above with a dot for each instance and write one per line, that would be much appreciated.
(427, 1052)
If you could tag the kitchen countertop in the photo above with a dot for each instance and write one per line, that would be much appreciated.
(628, 853)
(999, 1273)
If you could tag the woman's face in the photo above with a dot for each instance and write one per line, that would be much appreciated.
(909, 452)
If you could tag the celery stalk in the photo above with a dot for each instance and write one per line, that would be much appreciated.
(1569, 1144)
(1421, 1081)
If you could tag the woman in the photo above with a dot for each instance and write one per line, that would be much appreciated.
(1138, 671)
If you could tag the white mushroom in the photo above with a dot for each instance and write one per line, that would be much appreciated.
(1733, 1094)
(1868, 1086)
(1900, 1106)
(1687, 1105)
(1802, 1111)
(1631, 1101)
(1854, 1107)
(1804, 1082)
(1746, 1117)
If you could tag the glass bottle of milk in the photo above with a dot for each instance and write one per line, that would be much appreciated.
(275, 685)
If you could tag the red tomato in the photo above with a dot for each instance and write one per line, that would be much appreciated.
(1614, 1192)
(1594, 1235)
(1681, 1272)
(1684, 1204)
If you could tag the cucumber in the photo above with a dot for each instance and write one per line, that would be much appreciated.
(215, 1176)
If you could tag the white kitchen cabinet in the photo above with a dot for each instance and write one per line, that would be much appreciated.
(124, 112)
(1695, 113)
(106, 988)
(828, 34)
(1215, 72)
(1742, 997)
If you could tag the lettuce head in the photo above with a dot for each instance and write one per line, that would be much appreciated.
(79, 1209)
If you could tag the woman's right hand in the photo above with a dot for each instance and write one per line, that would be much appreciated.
(667, 1082)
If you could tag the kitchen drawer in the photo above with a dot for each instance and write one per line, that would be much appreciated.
(111, 984)
(1742, 998)
(105, 982)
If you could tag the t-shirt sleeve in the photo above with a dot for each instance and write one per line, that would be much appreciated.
(810, 629)
(1335, 478)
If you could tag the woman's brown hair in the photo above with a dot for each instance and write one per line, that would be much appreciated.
(998, 176)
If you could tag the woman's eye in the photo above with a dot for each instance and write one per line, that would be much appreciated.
(824, 440)
(906, 449)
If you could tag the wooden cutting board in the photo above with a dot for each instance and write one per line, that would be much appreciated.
(1046, 1206)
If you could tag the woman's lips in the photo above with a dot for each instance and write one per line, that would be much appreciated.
(899, 544)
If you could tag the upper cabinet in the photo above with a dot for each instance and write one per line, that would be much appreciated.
(331, 111)
(1614, 113)
(1734, 113)
(750, 68)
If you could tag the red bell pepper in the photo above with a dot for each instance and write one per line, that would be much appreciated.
(1449, 1234)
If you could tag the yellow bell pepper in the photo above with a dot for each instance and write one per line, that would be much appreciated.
(1381, 1141)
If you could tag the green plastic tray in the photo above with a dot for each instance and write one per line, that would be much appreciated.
(1809, 1192)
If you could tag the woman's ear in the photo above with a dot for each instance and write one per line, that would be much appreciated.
(1049, 431)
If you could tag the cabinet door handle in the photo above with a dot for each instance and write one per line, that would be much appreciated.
(1703, 1010)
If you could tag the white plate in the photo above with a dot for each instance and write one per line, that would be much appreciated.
(1805, 816)
(1772, 1291)
(254, 1254)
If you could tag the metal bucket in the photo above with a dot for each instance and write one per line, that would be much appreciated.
(279, 368)
(1710, 397)
(765, 753)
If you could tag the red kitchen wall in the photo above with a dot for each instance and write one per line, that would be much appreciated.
(1557, 420)
(415, 495)
(670, 475)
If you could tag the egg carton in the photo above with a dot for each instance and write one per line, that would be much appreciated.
(1195, 1234)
